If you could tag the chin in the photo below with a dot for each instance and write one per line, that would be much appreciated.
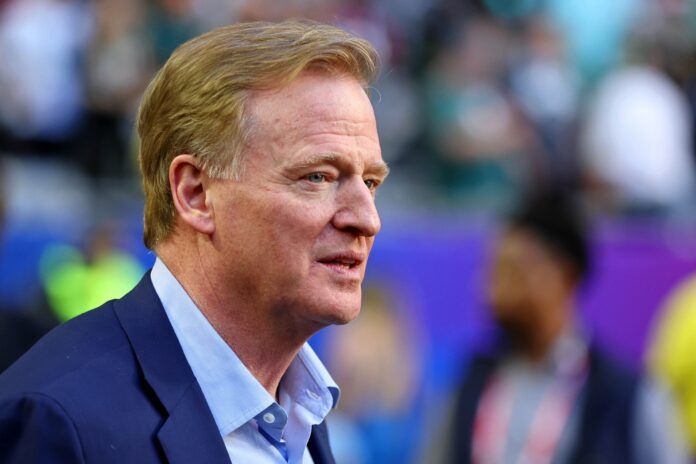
(346, 316)
(515, 328)
(338, 312)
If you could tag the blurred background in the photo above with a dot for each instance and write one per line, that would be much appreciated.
(479, 104)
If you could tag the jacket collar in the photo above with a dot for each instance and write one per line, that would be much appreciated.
(318, 445)
(189, 433)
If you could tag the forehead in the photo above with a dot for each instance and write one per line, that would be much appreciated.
(311, 90)
(317, 109)
(519, 245)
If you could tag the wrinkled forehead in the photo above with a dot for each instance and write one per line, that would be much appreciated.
(311, 95)
(330, 113)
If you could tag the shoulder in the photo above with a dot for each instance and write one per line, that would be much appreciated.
(95, 343)
(65, 357)
(609, 402)
(611, 375)
(36, 419)
(81, 393)
(478, 368)
(475, 375)
(60, 383)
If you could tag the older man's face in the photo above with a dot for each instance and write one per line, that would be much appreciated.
(297, 229)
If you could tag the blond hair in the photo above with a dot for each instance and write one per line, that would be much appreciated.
(195, 104)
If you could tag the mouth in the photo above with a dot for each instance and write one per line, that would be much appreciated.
(344, 262)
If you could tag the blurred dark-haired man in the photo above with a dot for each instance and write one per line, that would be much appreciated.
(547, 394)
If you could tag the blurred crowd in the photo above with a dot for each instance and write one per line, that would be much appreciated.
(479, 103)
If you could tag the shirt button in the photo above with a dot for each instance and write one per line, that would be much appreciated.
(268, 418)
(313, 395)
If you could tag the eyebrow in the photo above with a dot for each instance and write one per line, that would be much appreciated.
(319, 159)
(379, 168)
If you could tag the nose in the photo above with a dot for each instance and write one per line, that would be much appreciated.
(356, 211)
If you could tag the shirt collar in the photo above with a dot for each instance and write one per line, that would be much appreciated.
(568, 355)
(233, 394)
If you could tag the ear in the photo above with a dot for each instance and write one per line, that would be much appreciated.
(189, 185)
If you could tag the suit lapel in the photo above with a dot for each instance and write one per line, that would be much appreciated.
(318, 445)
(189, 433)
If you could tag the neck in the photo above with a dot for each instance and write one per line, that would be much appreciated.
(537, 342)
(265, 349)
(265, 343)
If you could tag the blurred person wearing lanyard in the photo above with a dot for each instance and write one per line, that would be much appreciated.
(547, 394)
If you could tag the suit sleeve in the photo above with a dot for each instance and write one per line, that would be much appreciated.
(36, 429)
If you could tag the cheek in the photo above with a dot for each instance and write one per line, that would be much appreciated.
(370, 241)
(298, 222)
(294, 238)
(281, 225)
(548, 283)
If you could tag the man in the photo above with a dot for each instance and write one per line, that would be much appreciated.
(548, 395)
(260, 161)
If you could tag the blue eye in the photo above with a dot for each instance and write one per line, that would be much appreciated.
(371, 183)
(316, 178)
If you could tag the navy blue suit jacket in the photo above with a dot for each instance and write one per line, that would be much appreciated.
(113, 386)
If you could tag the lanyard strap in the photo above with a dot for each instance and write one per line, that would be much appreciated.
(544, 433)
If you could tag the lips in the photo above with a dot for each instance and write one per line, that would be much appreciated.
(343, 260)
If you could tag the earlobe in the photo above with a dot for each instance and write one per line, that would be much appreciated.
(189, 185)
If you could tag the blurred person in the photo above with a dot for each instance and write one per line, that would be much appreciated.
(260, 162)
(667, 42)
(595, 31)
(671, 351)
(377, 362)
(41, 44)
(75, 281)
(20, 327)
(548, 394)
(170, 23)
(118, 65)
(270, 10)
(637, 141)
(473, 126)
(541, 69)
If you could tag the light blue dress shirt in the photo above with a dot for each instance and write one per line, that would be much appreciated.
(254, 427)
